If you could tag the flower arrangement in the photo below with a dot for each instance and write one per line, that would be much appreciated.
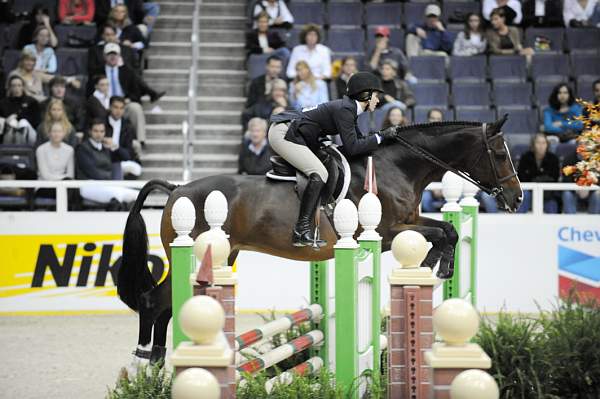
(587, 171)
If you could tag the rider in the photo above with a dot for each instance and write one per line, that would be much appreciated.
(295, 136)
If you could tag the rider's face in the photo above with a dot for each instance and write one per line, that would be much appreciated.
(374, 101)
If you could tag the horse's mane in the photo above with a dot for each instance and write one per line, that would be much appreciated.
(437, 124)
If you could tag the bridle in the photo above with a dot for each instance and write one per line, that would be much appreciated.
(496, 190)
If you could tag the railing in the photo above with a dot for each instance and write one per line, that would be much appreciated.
(188, 126)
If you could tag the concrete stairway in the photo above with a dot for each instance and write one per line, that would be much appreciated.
(220, 91)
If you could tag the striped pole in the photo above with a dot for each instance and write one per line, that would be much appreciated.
(311, 366)
(312, 313)
(281, 352)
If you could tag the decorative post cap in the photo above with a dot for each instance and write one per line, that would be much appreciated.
(196, 383)
(452, 187)
(369, 215)
(469, 191)
(215, 210)
(183, 219)
(202, 318)
(474, 384)
(456, 321)
(219, 245)
(409, 249)
(345, 219)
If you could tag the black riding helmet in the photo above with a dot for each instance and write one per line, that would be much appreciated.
(362, 85)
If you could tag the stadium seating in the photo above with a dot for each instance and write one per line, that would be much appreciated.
(456, 11)
(413, 13)
(383, 14)
(585, 64)
(471, 69)
(428, 68)
(550, 67)
(482, 115)
(307, 12)
(509, 95)
(521, 122)
(431, 94)
(470, 95)
(554, 35)
(583, 40)
(344, 13)
(420, 114)
(350, 41)
(511, 68)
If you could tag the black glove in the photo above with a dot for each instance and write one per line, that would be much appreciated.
(388, 133)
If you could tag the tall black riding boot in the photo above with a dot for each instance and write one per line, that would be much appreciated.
(303, 231)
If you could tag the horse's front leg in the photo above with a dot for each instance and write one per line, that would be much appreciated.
(446, 269)
(435, 235)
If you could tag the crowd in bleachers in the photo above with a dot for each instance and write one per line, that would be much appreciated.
(458, 60)
(71, 93)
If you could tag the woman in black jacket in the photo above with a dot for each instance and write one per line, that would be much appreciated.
(265, 41)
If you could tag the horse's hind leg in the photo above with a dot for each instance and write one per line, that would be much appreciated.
(142, 352)
(159, 347)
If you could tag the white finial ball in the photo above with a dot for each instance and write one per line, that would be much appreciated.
(196, 383)
(215, 208)
(410, 248)
(219, 247)
(474, 384)
(469, 189)
(452, 186)
(456, 321)
(183, 214)
(369, 210)
(345, 217)
(201, 318)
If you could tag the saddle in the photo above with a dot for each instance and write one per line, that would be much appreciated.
(337, 167)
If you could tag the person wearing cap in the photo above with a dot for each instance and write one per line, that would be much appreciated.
(383, 51)
(430, 37)
(295, 136)
(108, 34)
(512, 10)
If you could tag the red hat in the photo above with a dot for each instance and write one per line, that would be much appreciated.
(382, 31)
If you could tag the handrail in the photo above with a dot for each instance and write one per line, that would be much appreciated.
(188, 126)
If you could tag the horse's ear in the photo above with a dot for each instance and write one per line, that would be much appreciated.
(497, 126)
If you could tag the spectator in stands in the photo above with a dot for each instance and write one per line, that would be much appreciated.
(581, 13)
(129, 34)
(306, 90)
(595, 100)
(121, 135)
(58, 90)
(94, 162)
(264, 108)
(572, 200)
(316, 55)
(76, 11)
(430, 37)
(396, 92)
(103, 7)
(539, 165)
(279, 15)
(108, 34)
(255, 153)
(20, 111)
(559, 115)
(503, 39)
(55, 159)
(435, 115)
(151, 12)
(471, 40)
(34, 80)
(264, 41)
(511, 8)
(338, 85)
(383, 51)
(45, 56)
(542, 14)
(433, 200)
(39, 16)
(55, 113)
(261, 85)
(98, 103)
(394, 117)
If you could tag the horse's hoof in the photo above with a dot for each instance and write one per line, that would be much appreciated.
(445, 274)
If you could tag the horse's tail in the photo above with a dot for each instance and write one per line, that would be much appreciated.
(134, 276)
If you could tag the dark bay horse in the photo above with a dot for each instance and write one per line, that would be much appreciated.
(262, 212)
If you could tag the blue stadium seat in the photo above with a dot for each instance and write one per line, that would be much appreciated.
(256, 65)
(307, 12)
(396, 38)
(584, 87)
(12, 34)
(470, 95)
(585, 64)
(520, 121)
(72, 61)
(471, 69)
(513, 95)
(383, 14)
(345, 13)
(479, 115)
(292, 37)
(420, 114)
(511, 68)
(456, 11)
(543, 89)
(550, 67)
(517, 151)
(413, 13)
(346, 40)
(565, 150)
(431, 94)
(428, 68)
(555, 35)
(82, 32)
(583, 40)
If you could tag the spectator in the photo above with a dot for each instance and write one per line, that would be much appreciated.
(151, 12)
(76, 11)
(511, 8)
(581, 13)
(103, 8)
(45, 56)
(433, 200)
(34, 80)
(129, 34)
(39, 16)
(394, 117)
(20, 111)
(541, 166)
(58, 90)
(595, 100)
(98, 103)
(396, 92)
(503, 39)
(94, 162)
(316, 55)
(383, 51)
(338, 85)
(255, 153)
(121, 134)
(572, 200)
(263, 41)
(264, 108)
(279, 15)
(435, 115)
(108, 34)
(471, 40)
(261, 85)
(55, 159)
(55, 113)
(430, 37)
(306, 90)
(560, 113)
(542, 14)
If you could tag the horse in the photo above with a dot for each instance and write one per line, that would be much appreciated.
(262, 212)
